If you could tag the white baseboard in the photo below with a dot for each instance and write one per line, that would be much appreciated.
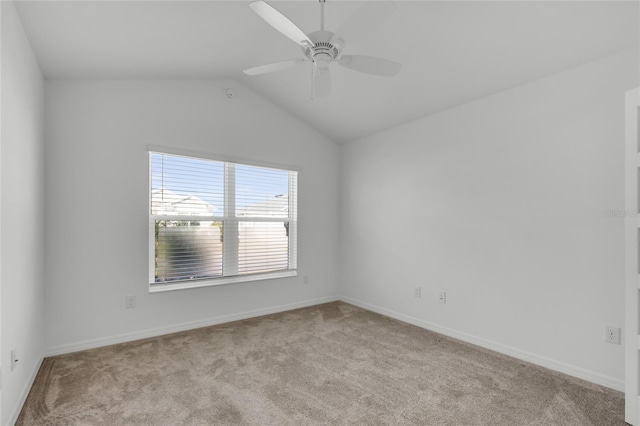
(25, 392)
(128, 337)
(542, 361)
(571, 370)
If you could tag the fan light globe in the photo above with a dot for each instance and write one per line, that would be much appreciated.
(322, 60)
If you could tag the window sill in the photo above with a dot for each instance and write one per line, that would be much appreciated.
(183, 285)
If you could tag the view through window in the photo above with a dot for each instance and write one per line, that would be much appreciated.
(214, 219)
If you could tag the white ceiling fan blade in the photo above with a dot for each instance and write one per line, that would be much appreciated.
(280, 22)
(277, 66)
(370, 65)
(364, 20)
(321, 82)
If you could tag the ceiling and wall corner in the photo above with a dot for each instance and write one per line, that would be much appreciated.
(451, 52)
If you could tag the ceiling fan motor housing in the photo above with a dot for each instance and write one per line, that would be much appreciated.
(323, 51)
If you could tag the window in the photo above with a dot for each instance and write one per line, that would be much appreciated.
(215, 222)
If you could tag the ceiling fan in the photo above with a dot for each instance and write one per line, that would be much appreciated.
(321, 48)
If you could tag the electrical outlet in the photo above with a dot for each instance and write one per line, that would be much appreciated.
(305, 279)
(442, 296)
(612, 334)
(14, 359)
(130, 302)
(417, 292)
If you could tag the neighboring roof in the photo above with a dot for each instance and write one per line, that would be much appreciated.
(165, 201)
(277, 206)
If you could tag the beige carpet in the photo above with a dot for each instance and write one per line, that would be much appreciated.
(327, 364)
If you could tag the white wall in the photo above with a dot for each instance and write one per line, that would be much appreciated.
(500, 203)
(21, 213)
(97, 204)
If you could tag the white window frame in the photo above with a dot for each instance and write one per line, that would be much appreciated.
(230, 222)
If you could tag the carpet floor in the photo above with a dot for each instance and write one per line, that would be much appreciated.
(328, 364)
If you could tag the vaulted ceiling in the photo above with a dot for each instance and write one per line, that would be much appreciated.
(452, 52)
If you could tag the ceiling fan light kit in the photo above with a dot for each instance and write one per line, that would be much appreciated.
(322, 52)
(321, 48)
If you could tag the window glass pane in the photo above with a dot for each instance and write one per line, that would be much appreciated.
(187, 250)
(186, 186)
(261, 192)
(262, 246)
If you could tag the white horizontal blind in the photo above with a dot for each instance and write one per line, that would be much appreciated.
(187, 250)
(186, 186)
(262, 193)
(214, 219)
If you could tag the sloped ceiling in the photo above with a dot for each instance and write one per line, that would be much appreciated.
(452, 52)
